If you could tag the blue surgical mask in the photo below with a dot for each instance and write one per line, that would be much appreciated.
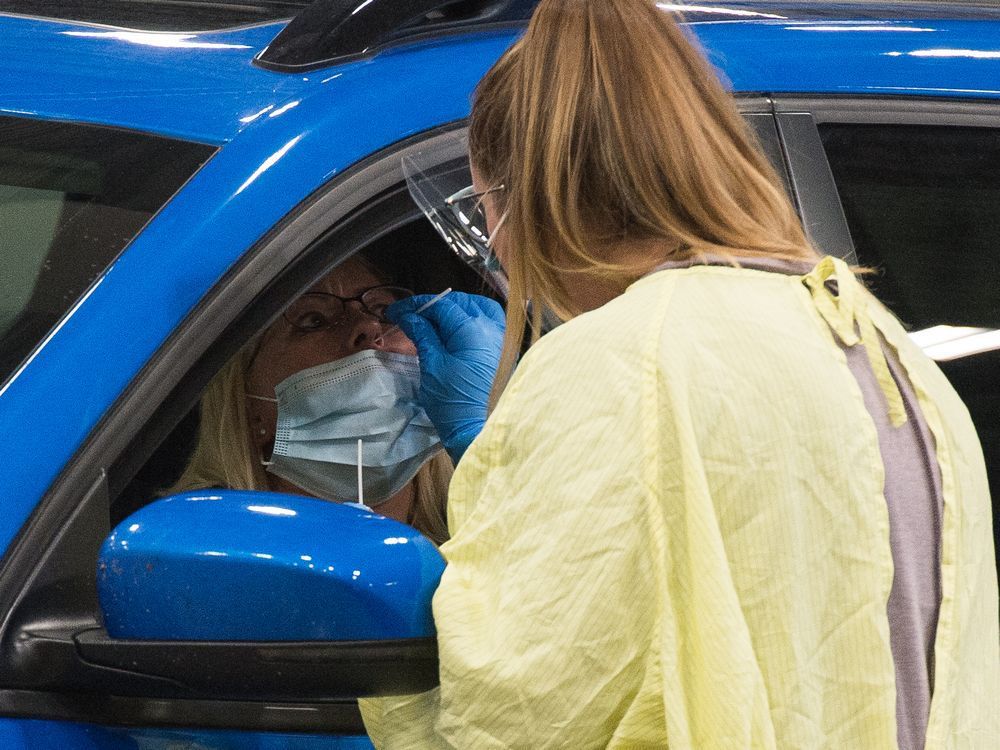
(324, 411)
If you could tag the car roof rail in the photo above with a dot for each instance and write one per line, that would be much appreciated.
(335, 31)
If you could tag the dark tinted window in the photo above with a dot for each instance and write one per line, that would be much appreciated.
(71, 197)
(923, 204)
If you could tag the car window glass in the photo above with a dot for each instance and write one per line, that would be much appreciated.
(923, 205)
(71, 197)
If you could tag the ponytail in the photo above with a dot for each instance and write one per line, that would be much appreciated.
(606, 126)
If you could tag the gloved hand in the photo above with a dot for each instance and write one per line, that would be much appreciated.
(458, 340)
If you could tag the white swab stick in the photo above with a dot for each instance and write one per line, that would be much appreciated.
(361, 486)
(433, 301)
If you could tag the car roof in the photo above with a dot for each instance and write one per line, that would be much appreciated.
(804, 10)
(195, 85)
(156, 15)
(204, 86)
(203, 15)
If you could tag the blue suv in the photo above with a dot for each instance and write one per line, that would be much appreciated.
(173, 174)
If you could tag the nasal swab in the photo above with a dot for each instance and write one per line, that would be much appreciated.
(361, 486)
(433, 301)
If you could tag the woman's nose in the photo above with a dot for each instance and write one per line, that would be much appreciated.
(364, 331)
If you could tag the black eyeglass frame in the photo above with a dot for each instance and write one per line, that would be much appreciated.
(360, 299)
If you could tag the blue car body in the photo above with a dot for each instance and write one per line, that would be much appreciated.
(280, 138)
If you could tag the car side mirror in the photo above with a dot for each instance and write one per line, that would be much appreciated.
(264, 596)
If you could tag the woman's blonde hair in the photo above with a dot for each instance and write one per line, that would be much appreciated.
(606, 126)
(225, 456)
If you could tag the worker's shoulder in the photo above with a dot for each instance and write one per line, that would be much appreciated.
(607, 332)
(682, 303)
(587, 361)
(675, 296)
(732, 282)
(674, 303)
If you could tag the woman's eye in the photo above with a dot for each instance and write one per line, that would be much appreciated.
(377, 300)
(312, 320)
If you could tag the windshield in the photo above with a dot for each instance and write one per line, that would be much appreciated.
(71, 197)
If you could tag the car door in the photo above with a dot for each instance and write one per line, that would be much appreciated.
(50, 695)
(915, 184)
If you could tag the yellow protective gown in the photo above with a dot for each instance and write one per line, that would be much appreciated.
(672, 533)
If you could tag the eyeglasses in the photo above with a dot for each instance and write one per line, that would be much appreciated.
(318, 311)
(467, 207)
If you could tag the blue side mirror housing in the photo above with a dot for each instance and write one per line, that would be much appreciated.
(228, 595)
(257, 566)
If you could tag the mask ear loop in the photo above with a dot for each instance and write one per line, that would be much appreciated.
(269, 400)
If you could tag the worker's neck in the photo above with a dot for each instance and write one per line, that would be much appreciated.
(587, 291)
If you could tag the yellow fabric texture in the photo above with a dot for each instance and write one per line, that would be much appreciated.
(672, 534)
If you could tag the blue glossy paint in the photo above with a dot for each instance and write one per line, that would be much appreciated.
(256, 566)
(25, 734)
(203, 86)
(959, 59)
(195, 86)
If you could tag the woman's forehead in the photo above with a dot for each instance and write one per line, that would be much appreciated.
(348, 279)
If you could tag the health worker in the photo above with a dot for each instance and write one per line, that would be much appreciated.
(728, 503)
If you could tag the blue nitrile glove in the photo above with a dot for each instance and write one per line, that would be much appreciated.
(458, 340)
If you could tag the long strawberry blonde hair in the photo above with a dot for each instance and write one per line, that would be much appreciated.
(608, 128)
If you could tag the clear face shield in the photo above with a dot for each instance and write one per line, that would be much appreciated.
(444, 193)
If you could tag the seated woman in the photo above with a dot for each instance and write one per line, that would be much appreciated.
(285, 414)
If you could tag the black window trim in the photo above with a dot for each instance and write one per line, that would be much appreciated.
(816, 196)
(798, 118)
(163, 392)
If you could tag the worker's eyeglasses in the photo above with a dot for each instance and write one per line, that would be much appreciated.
(318, 311)
(467, 208)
